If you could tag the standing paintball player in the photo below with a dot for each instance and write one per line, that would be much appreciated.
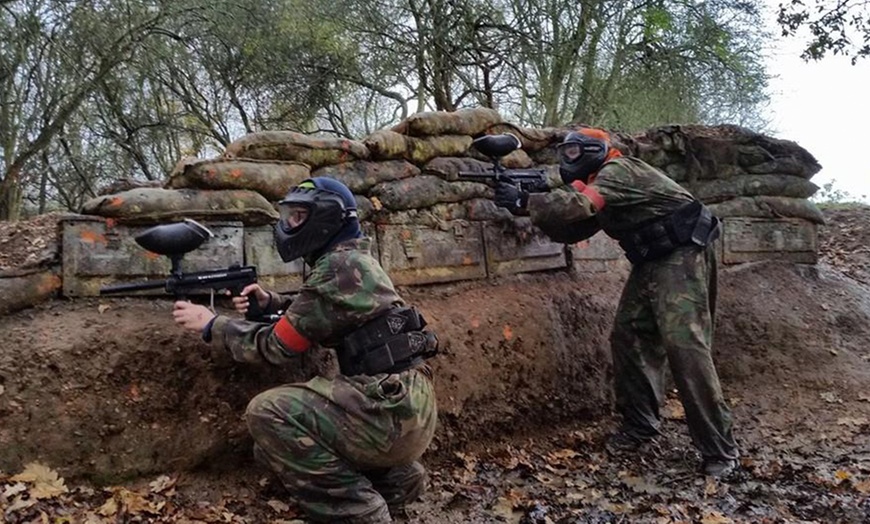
(667, 307)
(347, 448)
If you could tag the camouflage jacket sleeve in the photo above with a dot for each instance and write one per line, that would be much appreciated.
(344, 290)
(609, 186)
(570, 232)
(554, 224)
(559, 207)
(277, 302)
(624, 194)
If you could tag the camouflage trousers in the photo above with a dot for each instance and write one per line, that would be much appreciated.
(666, 313)
(347, 448)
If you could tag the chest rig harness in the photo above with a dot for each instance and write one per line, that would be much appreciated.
(691, 224)
(391, 343)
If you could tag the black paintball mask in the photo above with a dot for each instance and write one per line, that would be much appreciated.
(328, 216)
(580, 155)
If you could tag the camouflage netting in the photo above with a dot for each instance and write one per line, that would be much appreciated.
(410, 172)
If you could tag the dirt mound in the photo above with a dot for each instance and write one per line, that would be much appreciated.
(29, 243)
(141, 396)
(107, 389)
(844, 242)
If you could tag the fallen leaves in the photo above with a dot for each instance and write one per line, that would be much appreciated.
(44, 483)
(830, 397)
(673, 409)
(715, 517)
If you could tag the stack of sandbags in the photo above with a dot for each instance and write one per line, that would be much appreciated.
(242, 185)
(739, 173)
(414, 166)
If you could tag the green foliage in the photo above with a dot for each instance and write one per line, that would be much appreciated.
(841, 27)
(832, 195)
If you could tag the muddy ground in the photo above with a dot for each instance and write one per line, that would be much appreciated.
(136, 421)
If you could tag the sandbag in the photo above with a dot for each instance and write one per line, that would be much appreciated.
(439, 216)
(289, 145)
(150, 205)
(362, 175)
(768, 207)
(516, 159)
(126, 184)
(435, 217)
(364, 208)
(532, 139)
(389, 145)
(726, 150)
(425, 191)
(547, 155)
(448, 168)
(23, 289)
(471, 121)
(710, 191)
(272, 179)
(479, 209)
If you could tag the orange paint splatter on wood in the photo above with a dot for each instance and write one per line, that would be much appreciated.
(236, 173)
(116, 202)
(92, 237)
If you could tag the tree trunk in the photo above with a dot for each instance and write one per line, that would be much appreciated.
(10, 194)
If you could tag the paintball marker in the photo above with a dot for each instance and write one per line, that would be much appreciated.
(495, 147)
(177, 239)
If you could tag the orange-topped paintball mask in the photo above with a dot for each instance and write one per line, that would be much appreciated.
(583, 153)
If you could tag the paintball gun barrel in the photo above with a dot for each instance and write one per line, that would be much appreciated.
(177, 239)
(495, 147)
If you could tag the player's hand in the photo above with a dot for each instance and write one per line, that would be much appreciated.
(511, 198)
(192, 316)
(241, 302)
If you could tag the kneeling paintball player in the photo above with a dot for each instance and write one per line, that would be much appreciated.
(347, 448)
(667, 306)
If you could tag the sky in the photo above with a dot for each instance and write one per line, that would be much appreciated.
(824, 106)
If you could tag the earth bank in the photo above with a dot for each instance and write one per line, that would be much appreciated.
(110, 393)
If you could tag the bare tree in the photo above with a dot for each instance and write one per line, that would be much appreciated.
(53, 58)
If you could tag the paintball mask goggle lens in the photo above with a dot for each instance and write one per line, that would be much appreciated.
(293, 216)
(571, 151)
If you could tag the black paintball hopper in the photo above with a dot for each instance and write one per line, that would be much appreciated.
(496, 146)
(174, 239)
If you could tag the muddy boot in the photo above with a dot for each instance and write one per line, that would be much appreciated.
(720, 468)
(623, 441)
(400, 485)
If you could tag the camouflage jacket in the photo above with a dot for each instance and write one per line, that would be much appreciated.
(346, 288)
(633, 193)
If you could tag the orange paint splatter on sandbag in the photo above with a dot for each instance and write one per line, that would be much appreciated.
(48, 284)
